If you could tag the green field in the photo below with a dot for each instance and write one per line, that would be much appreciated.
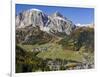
(55, 51)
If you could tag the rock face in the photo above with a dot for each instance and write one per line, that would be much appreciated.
(51, 24)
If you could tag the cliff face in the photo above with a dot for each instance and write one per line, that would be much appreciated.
(51, 24)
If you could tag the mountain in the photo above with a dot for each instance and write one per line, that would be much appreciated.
(85, 25)
(81, 39)
(32, 35)
(54, 23)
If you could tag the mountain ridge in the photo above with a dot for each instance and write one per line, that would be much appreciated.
(35, 17)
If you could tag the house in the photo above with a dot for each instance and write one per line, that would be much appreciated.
(41, 49)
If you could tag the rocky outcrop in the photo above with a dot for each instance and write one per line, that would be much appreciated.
(51, 24)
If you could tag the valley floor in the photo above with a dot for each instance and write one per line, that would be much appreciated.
(57, 58)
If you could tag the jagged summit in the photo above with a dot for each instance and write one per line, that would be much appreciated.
(35, 17)
(57, 14)
(33, 9)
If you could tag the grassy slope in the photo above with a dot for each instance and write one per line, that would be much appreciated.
(55, 51)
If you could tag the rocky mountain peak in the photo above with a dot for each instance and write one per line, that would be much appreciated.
(57, 14)
(33, 9)
(35, 17)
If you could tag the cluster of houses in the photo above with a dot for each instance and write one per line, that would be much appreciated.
(39, 49)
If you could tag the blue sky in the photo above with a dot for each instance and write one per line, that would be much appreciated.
(76, 15)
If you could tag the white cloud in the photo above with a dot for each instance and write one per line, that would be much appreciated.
(81, 25)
